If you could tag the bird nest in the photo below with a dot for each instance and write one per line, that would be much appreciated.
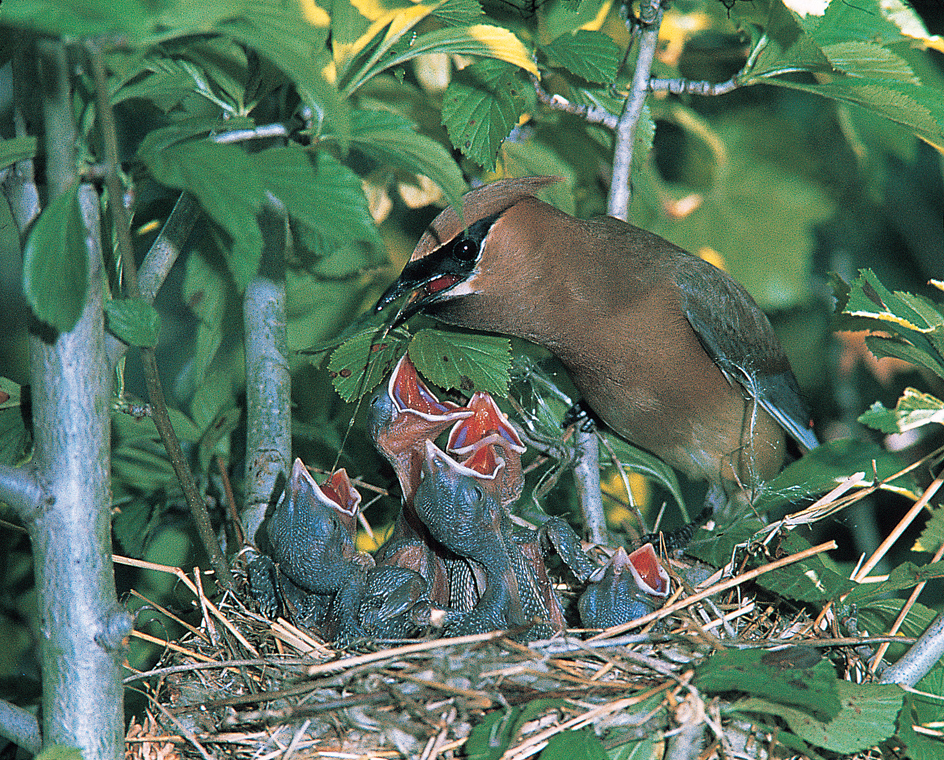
(239, 685)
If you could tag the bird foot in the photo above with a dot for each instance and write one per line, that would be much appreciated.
(581, 414)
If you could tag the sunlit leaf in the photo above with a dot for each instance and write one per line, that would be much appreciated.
(360, 364)
(480, 109)
(319, 191)
(465, 361)
(913, 410)
(391, 139)
(862, 59)
(650, 466)
(591, 55)
(55, 263)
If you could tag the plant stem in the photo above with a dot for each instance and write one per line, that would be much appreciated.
(152, 379)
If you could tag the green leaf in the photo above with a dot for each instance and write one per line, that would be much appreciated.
(361, 363)
(391, 139)
(318, 191)
(14, 436)
(134, 524)
(55, 263)
(869, 298)
(135, 322)
(459, 12)
(904, 576)
(60, 752)
(812, 580)
(591, 55)
(924, 707)
(932, 535)
(491, 736)
(16, 149)
(863, 59)
(230, 189)
(823, 468)
(480, 108)
(913, 410)
(567, 745)
(797, 676)
(922, 353)
(867, 717)
(279, 32)
(466, 361)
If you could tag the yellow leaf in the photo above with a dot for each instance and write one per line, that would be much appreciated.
(504, 46)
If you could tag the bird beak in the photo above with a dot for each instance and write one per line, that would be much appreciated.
(428, 280)
(336, 494)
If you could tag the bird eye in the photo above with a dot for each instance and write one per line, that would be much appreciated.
(465, 250)
(478, 493)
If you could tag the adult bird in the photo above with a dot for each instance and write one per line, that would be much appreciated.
(668, 350)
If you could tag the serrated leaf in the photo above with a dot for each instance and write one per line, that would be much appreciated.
(797, 676)
(480, 110)
(135, 322)
(16, 149)
(591, 55)
(863, 59)
(465, 361)
(391, 139)
(55, 262)
(928, 355)
(913, 410)
(868, 297)
(459, 12)
(867, 717)
(904, 576)
(133, 524)
(361, 363)
(923, 707)
(228, 186)
(932, 535)
(320, 192)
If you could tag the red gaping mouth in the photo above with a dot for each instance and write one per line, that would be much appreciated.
(440, 283)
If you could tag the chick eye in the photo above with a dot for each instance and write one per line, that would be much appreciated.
(478, 493)
(465, 250)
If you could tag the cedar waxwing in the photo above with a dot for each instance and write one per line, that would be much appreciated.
(464, 517)
(630, 586)
(668, 350)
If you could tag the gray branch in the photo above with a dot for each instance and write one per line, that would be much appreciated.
(587, 478)
(21, 490)
(651, 18)
(918, 661)
(689, 87)
(81, 623)
(20, 727)
(268, 380)
(590, 114)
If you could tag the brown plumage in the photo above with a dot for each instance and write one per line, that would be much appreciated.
(669, 351)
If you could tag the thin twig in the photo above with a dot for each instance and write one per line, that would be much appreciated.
(690, 87)
(590, 114)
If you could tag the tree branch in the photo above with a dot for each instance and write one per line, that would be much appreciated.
(590, 114)
(20, 727)
(587, 478)
(20, 489)
(689, 87)
(918, 661)
(268, 379)
(152, 379)
(651, 18)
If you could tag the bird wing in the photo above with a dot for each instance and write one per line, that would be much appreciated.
(738, 337)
